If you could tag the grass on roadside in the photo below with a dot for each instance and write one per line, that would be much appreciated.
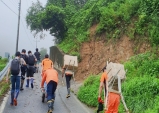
(4, 87)
(3, 63)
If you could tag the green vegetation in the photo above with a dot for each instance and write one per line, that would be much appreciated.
(88, 93)
(69, 21)
(4, 87)
(3, 63)
(140, 93)
(43, 52)
(140, 89)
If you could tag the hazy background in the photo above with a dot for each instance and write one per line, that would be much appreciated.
(9, 25)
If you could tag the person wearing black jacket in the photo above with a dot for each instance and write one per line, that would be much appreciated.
(23, 68)
(37, 55)
(30, 69)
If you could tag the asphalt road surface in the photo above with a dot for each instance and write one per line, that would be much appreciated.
(29, 101)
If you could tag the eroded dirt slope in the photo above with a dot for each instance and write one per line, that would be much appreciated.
(94, 54)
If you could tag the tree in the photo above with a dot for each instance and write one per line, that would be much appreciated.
(59, 3)
(50, 18)
(43, 52)
(55, 16)
(32, 17)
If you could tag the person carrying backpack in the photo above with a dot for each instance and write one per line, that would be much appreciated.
(112, 99)
(37, 54)
(103, 84)
(15, 77)
(23, 68)
(51, 78)
(68, 75)
(30, 68)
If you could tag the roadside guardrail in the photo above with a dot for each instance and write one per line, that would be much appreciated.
(4, 71)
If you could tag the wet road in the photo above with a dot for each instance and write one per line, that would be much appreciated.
(29, 101)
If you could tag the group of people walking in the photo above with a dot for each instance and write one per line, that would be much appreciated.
(50, 81)
(24, 66)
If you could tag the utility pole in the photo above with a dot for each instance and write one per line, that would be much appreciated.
(18, 26)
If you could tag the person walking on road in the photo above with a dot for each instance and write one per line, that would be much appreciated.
(37, 54)
(23, 68)
(15, 77)
(46, 64)
(30, 69)
(112, 100)
(68, 75)
(50, 76)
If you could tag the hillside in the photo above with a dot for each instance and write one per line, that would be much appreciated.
(124, 31)
(95, 53)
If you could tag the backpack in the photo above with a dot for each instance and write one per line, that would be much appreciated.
(15, 66)
(25, 57)
(31, 60)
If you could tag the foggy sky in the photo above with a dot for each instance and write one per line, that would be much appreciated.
(9, 25)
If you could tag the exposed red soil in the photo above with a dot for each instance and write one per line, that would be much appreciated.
(94, 54)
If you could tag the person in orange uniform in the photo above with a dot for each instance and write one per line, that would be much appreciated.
(112, 99)
(46, 63)
(68, 75)
(50, 76)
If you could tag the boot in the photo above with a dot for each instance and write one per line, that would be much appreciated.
(15, 101)
(15, 97)
(27, 85)
(31, 80)
(12, 98)
(49, 111)
(68, 95)
(100, 107)
(50, 106)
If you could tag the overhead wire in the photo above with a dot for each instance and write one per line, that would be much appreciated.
(21, 21)
(26, 31)
(8, 7)
(13, 3)
(27, 34)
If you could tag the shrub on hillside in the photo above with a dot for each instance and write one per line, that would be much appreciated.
(142, 64)
(155, 107)
(140, 89)
(88, 93)
(140, 93)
